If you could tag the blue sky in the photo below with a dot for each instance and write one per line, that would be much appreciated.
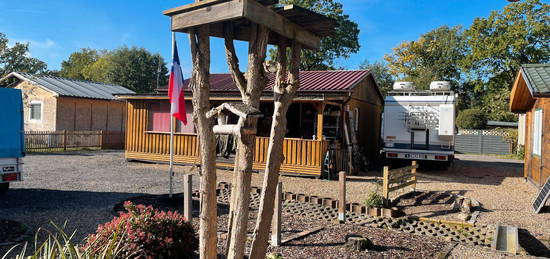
(56, 28)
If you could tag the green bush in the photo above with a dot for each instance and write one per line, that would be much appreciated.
(149, 233)
(471, 119)
(375, 200)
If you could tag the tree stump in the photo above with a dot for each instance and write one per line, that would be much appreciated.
(358, 243)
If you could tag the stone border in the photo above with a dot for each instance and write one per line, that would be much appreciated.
(471, 217)
(23, 237)
(327, 202)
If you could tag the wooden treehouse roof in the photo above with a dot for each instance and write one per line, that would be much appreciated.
(285, 22)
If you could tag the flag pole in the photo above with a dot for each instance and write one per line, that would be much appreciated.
(171, 168)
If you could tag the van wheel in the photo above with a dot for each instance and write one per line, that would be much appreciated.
(4, 188)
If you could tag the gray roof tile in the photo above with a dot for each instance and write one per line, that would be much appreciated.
(538, 78)
(76, 88)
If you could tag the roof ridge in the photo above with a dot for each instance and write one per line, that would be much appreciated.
(68, 79)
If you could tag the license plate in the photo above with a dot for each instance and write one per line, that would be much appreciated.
(8, 169)
(416, 156)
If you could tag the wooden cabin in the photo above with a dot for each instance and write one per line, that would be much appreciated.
(324, 102)
(531, 96)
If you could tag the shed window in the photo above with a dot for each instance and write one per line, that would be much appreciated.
(36, 111)
(537, 132)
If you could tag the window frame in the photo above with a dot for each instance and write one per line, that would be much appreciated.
(537, 132)
(31, 103)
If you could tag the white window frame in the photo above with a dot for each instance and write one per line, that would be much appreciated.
(537, 132)
(41, 111)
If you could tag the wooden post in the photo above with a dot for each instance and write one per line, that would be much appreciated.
(276, 223)
(101, 139)
(187, 197)
(342, 197)
(386, 183)
(320, 110)
(64, 140)
(413, 172)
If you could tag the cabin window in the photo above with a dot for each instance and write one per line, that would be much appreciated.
(36, 111)
(537, 132)
(190, 127)
(159, 117)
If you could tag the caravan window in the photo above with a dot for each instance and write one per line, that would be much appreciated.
(537, 132)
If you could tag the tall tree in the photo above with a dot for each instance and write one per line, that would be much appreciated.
(78, 62)
(381, 73)
(342, 44)
(499, 44)
(134, 68)
(434, 56)
(17, 58)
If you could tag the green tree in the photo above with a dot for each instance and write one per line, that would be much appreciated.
(499, 44)
(434, 56)
(78, 63)
(17, 58)
(342, 44)
(471, 119)
(381, 74)
(136, 69)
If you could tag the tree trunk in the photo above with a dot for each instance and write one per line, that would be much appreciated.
(251, 93)
(284, 91)
(200, 85)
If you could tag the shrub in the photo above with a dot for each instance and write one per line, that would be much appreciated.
(375, 200)
(471, 119)
(61, 245)
(149, 233)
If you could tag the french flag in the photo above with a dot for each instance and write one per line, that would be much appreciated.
(175, 89)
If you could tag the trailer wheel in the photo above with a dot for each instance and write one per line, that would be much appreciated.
(4, 188)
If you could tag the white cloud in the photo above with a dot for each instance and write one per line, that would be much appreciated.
(39, 44)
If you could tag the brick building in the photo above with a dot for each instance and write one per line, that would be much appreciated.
(54, 103)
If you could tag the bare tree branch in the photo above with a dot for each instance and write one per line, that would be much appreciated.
(232, 59)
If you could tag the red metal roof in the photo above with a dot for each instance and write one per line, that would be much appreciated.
(310, 81)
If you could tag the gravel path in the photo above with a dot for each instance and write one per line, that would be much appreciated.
(80, 188)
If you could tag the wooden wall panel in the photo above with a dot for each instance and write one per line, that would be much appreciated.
(302, 156)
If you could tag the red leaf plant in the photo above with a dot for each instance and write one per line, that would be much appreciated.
(146, 233)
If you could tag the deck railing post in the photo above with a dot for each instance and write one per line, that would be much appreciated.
(276, 222)
(342, 197)
(187, 197)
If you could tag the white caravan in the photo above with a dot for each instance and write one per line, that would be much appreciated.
(419, 124)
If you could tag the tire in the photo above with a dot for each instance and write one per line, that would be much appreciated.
(4, 188)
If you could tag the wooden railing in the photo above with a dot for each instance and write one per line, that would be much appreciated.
(297, 152)
(39, 141)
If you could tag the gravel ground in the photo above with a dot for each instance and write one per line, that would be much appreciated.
(330, 243)
(82, 187)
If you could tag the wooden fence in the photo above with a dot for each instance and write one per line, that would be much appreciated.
(398, 179)
(39, 141)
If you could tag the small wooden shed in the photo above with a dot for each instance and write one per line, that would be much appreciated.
(326, 100)
(531, 96)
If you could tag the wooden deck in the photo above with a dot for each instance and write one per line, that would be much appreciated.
(302, 156)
